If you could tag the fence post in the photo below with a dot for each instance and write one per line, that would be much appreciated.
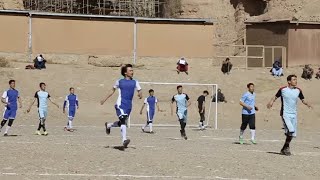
(263, 57)
(247, 56)
(30, 38)
(135, 41)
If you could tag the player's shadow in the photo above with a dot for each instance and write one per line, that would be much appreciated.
(276, 153)
(241, 144)
(12, 135)
(198, 130)
(147, 132)
(120, 148)
(316, 147)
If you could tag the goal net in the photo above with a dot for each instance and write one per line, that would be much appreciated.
(164, 93)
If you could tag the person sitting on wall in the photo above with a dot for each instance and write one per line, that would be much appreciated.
(226, 66)
(39, 62)
(221, 97)
(277, 69)
(318, 74)
(307, 72)
(182, 66)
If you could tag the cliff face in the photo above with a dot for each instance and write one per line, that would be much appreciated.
(11, 4)
(231, 14)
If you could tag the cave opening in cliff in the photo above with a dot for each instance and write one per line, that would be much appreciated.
(252, 7)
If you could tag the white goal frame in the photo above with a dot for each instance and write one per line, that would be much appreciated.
(213, 91)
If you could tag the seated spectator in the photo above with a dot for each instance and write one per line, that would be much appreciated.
(39, 62)
(226, 66)
(221, 97)
(318, 74)
(182, 66)
(277, 69)
(307, 72)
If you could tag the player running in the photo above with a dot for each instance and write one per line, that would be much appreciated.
(201, 107)
(151, 103)
(248, 101)
(10, 98)
(289, 99)
(126, 87)
(182, 104)
(72, 104)
(42, 97)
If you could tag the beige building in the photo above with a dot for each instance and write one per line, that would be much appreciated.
(301, 39)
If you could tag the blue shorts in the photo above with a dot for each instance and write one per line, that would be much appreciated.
(9, 113)
(290, 124)
(182, 115)
(72, 113)
(43, 113)
(150, 115)
(121, 111)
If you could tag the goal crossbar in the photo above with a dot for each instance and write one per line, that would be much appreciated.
(214, 91)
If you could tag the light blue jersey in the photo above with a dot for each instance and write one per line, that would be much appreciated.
(42, 97)
(249, 99)
(182, 101)
(182, 106)
(289, 99)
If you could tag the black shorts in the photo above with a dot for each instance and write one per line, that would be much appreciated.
(248, 119)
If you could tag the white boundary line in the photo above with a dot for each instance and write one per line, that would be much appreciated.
(120, 176)
(166, 126)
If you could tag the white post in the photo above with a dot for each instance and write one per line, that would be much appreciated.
(216, 113)
(135, 41)
(210, 106)
(30, 38)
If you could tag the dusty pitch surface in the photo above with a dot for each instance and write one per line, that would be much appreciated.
(88, 153)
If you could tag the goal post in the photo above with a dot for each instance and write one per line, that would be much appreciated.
(164, 92)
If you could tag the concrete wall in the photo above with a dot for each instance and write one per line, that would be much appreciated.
(172, 40)
(14, 34)
(304, 44)
(68, 36)
(102, 36)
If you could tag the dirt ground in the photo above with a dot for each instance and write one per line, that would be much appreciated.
(88, 153)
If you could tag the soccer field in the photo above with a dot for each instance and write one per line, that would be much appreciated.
(88, 153)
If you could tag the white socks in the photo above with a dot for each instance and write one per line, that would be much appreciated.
(7, 129)
(70, 124)
(253, 134)
(124, 132)
(241, 133)
(150, 125)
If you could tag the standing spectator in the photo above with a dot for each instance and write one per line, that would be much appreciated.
(277, 69)
(182, 66)
(39, 62)
(226, 66)
(307, 72)
(201, 107)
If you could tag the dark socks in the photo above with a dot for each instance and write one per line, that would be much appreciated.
(287, 143)
(3, 122)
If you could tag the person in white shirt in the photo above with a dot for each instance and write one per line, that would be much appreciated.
(39, 62)
(182, 66)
